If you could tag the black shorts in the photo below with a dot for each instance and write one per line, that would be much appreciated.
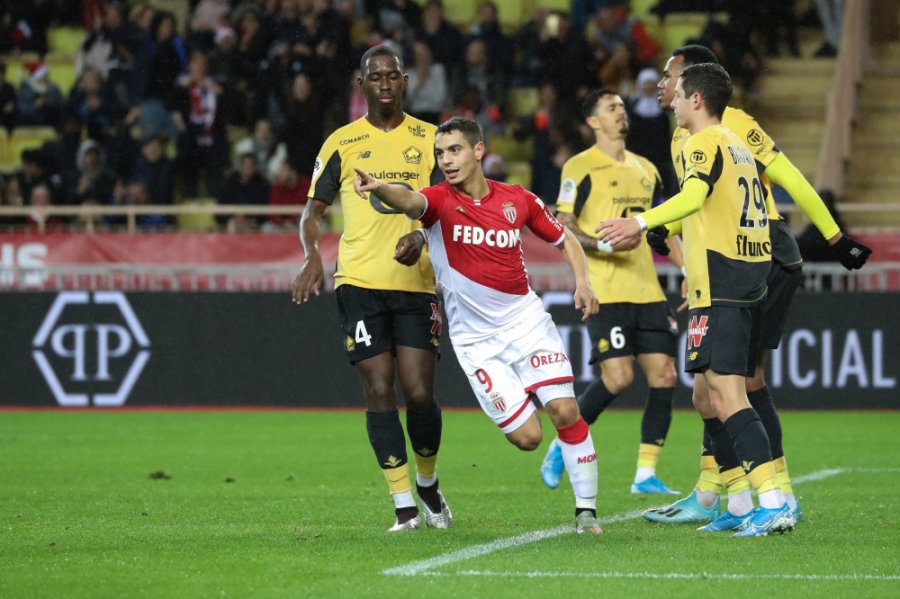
(632, 329)
(723, 339)
(783, 284)
(375, 321)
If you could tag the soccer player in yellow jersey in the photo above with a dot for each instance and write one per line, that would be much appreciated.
(386, 302)
(727, 254)
(600, 183)
(783, 279)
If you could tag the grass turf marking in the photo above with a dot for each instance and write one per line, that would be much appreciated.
(423, 566)
(670, 575)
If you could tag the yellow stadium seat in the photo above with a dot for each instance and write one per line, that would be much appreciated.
(519, 174)
(511, 13)
(198, 222)
(560, 5)
(461, 11)
(522, 101)
(65, 40)
(26, 138)
(641, 8)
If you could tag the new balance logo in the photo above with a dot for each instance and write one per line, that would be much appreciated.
(392, 462)
(696, 331)
(748, 466)
(363, 155)
(587, 459)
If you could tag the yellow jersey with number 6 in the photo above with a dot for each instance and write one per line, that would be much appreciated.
(727, 251)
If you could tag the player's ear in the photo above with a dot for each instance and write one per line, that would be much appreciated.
(479, 150)
(592, 122)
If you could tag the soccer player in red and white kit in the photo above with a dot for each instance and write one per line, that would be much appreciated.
(505, 341)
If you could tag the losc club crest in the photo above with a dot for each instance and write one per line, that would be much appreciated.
(91, 350)
(509, 211)
(498, 402)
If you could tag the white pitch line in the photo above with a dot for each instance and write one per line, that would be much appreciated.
(672, 575)
(476, 550)
(423, 566)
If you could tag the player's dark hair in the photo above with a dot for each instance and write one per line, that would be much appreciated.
(712, 83)
(589, 104)
(382, 50)
(471, 130)
(695, 54)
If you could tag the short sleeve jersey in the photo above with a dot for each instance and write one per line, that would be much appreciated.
(402, 156)
(727, 251)
(596, 187)
(477, 254)
(748, 130)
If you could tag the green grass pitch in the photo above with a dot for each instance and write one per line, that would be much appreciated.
(306, 509)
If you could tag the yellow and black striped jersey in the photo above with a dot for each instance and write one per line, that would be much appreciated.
(596, 187)
(754, 137)
(727, 251)
(404, 156)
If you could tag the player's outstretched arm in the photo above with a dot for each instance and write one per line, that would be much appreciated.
(592, 244)
(400, 198)
(312, 274)
(852, 254)
(585, 299)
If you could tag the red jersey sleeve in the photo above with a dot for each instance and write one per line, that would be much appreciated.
(541, 222)
(434, 196)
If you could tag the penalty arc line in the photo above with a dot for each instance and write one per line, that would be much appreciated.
(423, 566)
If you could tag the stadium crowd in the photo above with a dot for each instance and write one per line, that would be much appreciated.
(151, 117)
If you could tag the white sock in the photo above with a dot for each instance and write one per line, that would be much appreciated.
(706, 498)
(740, 504)
(792, 501)
(771, 500)
(581, 464)
(426, 481)
(643, 474)
(404, 499)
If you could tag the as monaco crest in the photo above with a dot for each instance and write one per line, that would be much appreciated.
(509, 211)
(497, 400)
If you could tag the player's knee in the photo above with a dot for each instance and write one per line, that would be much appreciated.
(618, 379)
(668, 377)
(380, 395)
(419, 398)
(563, 412)
(527, 440)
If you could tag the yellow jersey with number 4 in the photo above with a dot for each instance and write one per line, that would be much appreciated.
(727, 251)
(402, 156)
(595, 187)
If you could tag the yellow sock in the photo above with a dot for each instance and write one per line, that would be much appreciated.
(398, 479)
(735, 480)
(426, 466)
(763, 478)
(710, 479)
(781, 474)
(648, 455)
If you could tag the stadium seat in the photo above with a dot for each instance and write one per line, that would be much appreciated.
(26, 138)
(560, 5)
(62, 72)
(523, 101)
(461, 12)
(641, 8)
(512, 13)
(198, 222)
(519, 174)
(65, 40)
(510, 148)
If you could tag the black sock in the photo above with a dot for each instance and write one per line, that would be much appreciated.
(721, 444)
(761, 401)
(751, 444)
(594, 400)
(706, 449)
(424, 429)
(657, 416)
(386, 437)
(578, 510)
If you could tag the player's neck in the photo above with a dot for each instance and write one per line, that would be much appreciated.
(614, 148)
(475, 187)
(385, 122)
(701, 122)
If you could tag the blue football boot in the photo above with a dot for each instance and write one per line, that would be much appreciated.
(553, 466)
(765, 522)
(684, 511)
(653, 486)
(728, 521)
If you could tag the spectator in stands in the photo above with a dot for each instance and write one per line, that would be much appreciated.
(9, 109)
(479, 75)
(41, 197)
(616, 31)
(426, 94)
(155, 170)
(290, 189)
(446, 42)
(732, 47)
(63, 151)
(394, 15)
(93, 102)
(494, 167)
(40, 100)
(304, 131)
(831, 15)
(250, 53)
(165, 57)
(37, 169)
(138, 36)
(135, 194)
(564, 56)
(269, 153)
(32, 23)
(202, 143)
(93, 182)
(499, 47)
(775, 15)
(96, 50)
(207, 18)
(245, 187)
(527, 41)
(650, 130)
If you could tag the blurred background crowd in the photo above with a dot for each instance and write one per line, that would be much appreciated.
(170, 101)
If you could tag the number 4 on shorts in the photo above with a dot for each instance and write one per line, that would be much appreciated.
(362, 335)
